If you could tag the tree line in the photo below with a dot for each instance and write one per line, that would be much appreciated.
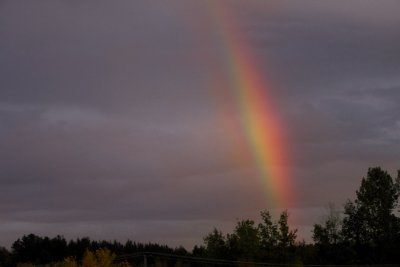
(366, 232)
(39, 250)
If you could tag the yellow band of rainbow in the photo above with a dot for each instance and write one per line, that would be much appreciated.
(260, 121)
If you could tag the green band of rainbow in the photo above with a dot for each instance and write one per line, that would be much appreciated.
(260, 122)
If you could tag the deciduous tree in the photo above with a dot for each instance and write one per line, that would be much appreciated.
(370, 222)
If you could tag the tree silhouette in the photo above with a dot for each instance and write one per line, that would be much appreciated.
(215, 244)
(369, 222)
(268, 231)
(329, 232)
(246, 240)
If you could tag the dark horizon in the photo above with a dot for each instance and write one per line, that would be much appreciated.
(366, 233)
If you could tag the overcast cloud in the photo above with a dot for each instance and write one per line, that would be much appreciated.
(109, 127)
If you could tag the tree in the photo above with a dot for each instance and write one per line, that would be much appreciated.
(370, 218)
(5, 257)
(329, 246)
(286, 237)
(246, 240)
(269, 236)
(100, 258)
(329, 232)
(67, 262)
(268, 231)
(370, 222)
(276, 238)
(215, 244)
(28, 249)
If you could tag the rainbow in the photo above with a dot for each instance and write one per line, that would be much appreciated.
(260, 124)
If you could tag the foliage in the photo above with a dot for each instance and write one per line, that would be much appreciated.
(100, 258)
(215, 244)
(5, 257)
(268, 231)
(286, 237)
(67, 262)
(368, 233)
(329, 232)
(370, 223)
(370, 218)
(44, 250)
(245, 240)
(273, 241)
(35, 249)
(329, 246)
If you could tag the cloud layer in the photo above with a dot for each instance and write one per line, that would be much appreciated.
(109, 126)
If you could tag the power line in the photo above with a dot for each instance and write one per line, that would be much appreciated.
(193, 259)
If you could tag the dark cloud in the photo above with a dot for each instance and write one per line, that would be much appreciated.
(109, 124)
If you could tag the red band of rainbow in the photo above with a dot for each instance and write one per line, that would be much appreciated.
(260, 121)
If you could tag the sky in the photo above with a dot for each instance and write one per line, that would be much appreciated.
(113, 123)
